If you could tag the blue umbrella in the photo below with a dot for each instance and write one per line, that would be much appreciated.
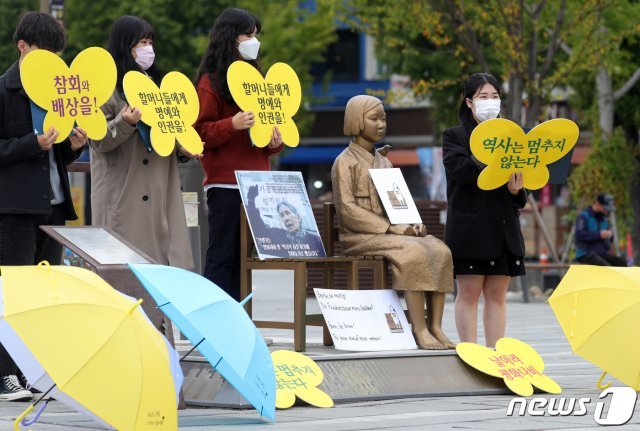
(219, 327)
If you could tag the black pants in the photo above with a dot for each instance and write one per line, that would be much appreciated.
(222, 264)
(22, 242)
(602, 260)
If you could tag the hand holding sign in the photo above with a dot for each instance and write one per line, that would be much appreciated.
(273, 100)
(70, 94)
(170, 110)
(505, 149)
(131, 115)
(48, 138)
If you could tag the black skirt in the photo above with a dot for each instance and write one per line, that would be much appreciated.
(505, 264)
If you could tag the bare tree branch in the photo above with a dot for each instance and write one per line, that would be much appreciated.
(533, 48)
(566, 48)
(467, 35)
(627, 85)
(538, 10)
(534, 11)
(553, 43)
(514, 30)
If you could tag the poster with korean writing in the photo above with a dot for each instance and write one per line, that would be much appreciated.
(70, 95)
(395, 196)
(169, 111)
(505, 148)
(365, 320)
(280, 214)
(517, 363)
(274, 100)
(298, 376)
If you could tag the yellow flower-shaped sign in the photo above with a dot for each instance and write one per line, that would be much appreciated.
(274, 100)
(297, 375)
(70, 94)
(516, 362)
(503, 146)
(169, 111)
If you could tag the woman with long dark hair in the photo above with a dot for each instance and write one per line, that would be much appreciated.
(483, 229)
(135, 191)
(223, 128)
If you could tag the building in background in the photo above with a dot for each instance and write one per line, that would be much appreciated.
(352, 68)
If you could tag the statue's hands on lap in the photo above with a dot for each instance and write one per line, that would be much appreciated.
(401, 229)
(407, 229)
(420, 229)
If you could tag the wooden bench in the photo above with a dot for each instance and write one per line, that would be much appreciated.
(430, 211)
(300, 268)
(331, 237)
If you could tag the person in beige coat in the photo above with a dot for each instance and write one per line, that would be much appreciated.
(421, 264)
(134, 191)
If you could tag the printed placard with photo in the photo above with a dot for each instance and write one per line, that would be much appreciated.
(280, 214)
(395, 196)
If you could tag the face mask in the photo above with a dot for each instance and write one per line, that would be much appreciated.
(487, 109)
(145, 56)
(249, 48)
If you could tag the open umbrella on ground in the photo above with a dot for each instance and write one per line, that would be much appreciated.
(219, 327)
(89, 346)
(598, 308)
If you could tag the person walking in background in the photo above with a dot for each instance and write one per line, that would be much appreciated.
(34, 187)
(483, 228)
(134, 191)
(227, 146)
(594, 235)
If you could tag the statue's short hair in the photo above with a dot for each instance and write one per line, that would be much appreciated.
(354, 112)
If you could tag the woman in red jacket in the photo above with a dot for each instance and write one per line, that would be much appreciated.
(223, 128)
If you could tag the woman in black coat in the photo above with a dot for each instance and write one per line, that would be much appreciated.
(483, 228)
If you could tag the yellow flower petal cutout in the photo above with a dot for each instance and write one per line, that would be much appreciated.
(503, 146)
(70, 94)
(285, 399)
(315, 397)
(298, 375)
(516, 362)
(170, 110)
(274, 100)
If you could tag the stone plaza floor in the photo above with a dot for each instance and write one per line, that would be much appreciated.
(533, 323)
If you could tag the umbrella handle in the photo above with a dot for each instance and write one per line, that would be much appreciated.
(16, 424)
(600, 385)
(22, 419)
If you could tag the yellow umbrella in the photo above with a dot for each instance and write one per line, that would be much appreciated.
(68, 329)
(598, 308)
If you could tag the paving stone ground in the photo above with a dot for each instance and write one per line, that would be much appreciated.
(533, 323)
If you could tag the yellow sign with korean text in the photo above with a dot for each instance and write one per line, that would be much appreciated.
(503, 146)
(70, 95)
(274, 100)
(297, 375)
(170, 111)
(516, 362)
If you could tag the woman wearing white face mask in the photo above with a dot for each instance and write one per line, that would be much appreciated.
(483, 229)
(224, 129)
(135, 191)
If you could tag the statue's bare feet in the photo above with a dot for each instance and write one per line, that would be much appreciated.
(426, 341)
(442, 338)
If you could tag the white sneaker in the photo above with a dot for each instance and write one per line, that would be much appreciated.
(12, 390)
